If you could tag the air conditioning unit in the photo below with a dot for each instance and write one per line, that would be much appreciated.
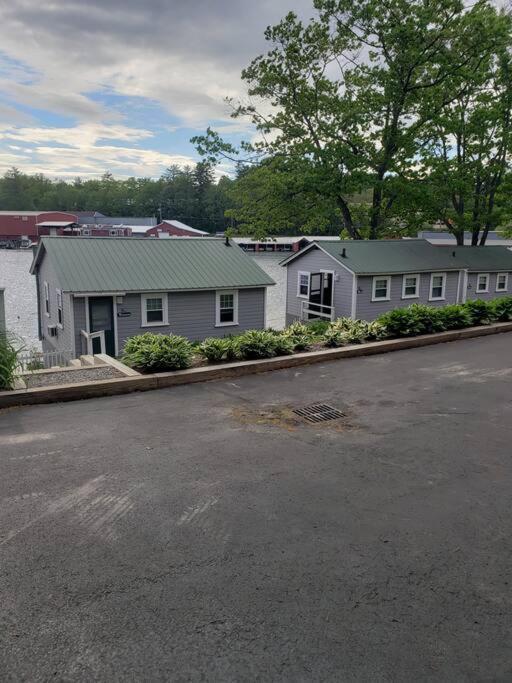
(52, 330)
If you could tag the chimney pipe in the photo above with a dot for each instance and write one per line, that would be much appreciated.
(227, 243)
(344, 252)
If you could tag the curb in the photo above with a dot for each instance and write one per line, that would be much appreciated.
(138, 382)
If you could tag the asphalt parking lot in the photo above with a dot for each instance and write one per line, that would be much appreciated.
(207, 533)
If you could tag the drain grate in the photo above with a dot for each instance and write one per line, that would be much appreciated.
(319, 412)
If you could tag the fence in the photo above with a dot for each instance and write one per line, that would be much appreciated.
(39, 360)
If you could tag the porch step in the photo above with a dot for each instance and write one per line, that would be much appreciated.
(75, 363)
(87, 360)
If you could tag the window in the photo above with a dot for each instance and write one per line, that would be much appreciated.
(437, 286)
(303, 284)
(482, 282)
(24, 218)
(381, 288)
(46, 299)
(411, 287)
(59, 307)
(502, 282)
(226, 309)
(154, 310)
(86, 232)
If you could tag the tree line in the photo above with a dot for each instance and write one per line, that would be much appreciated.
(191, 195)
(379, 116)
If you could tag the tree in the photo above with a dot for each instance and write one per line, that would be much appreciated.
(347, 96)
(467, 151)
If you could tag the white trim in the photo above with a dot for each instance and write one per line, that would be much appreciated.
(87, 316)
(46, 298)
(296, 254)
(353, 305)
(114, 315)
(388, 288)
(487, 280)
(59, 308)
(72, 324)
(158, 291)
(443, 294)
(465, 287)
(234, 322)
(416, 295)
(265, 309)
(299, 273)
(506, 282)
(165, 309)
(457, 298)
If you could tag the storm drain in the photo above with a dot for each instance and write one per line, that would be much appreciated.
(319, 412)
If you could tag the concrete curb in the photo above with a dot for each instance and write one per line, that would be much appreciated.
(124, 385)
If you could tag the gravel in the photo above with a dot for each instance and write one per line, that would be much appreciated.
(91, 374)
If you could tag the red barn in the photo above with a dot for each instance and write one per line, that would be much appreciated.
(174, 229)
(30, 225)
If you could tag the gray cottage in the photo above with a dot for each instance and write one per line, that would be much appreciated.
(363, 279)
(95, 293)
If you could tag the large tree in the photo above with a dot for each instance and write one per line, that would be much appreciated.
(467, 153)
(345, 96)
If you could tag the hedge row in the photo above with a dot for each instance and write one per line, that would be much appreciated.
(157, 352)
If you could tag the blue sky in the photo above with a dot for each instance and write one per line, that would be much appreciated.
(121, 85)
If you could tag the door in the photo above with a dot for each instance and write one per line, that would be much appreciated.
(320, 295)
(101, 319)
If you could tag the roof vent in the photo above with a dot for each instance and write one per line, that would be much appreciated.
(227, 242)
(344, 252)
(454, 254)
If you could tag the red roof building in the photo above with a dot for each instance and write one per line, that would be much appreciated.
(174, 229)
(19, 225)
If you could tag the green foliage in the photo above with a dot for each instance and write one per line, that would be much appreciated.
(9, 364)
(404, 73)
(157, 352)
(480, 312)
(346, 331)
(255, 344)
(455, 317)
(317, 327)
(407, 322)
(502, 308)
(188, 194)
(216, 350)
(300, 335)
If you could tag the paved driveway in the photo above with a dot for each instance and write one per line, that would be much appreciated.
(203, 533)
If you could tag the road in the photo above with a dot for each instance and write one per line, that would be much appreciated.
(204, 533)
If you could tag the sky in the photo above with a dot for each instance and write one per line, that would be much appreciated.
(88, 86)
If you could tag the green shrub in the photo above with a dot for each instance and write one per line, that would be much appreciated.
(216, 350)
(157, 352)
(376, 331)
(317, 328)
(411, 321)
(346, 331)
(9, 364)
(480, 312)
(502, 308)
(283, 345)
(455, 317)
(256, 344)
(299, 335)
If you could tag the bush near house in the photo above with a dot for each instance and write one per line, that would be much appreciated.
(157, 352)
(9, 364)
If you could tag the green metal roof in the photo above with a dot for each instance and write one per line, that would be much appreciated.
(482, 259)
(374, 257)
(96, 264)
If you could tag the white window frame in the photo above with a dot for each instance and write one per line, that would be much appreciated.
(503, 289)
(487, 278)
(299, 274)
(144, 312)
(416, 295)
(112, 232)
(218, 294)
(388, 288)
(86, 232)
(443, 294)
(60, 318)
(46, 288)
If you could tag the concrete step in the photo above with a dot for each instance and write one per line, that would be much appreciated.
(87, 360)
(75, 363)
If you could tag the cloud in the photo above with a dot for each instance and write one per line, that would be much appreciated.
(70, 59)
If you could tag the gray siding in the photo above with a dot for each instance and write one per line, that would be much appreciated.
(369, 310)
(314, 261)
(63, 340)
(492, 293)
(80, 324)
(192, 315)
